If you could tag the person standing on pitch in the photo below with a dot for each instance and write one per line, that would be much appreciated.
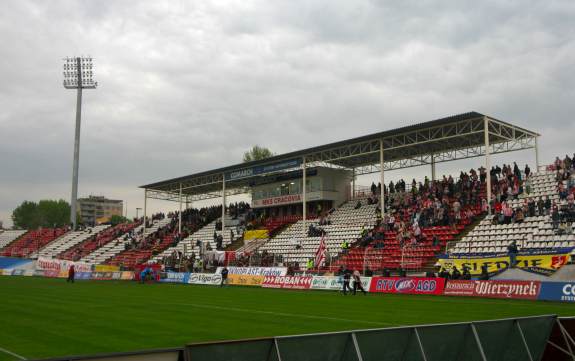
(346, 278)
(71, 273)
(357, 283)
(224, 276)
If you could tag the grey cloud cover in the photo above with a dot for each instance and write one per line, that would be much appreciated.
(187, 86)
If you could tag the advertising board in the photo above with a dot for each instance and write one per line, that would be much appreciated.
(127, 275)
(213, 279)
(335, 283)
(408, 285)
(83, 275)
(52, 264)
(557, 291)
(494, 289)
(255, 271)
(245, 280)
(291, 282)
(174, 277)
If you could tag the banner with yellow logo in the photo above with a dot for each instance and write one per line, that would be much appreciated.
(106, 268)
(545, 264)
(256, 234)
(245, 280)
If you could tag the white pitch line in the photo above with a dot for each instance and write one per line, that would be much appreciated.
(234, 309)
(12, 353)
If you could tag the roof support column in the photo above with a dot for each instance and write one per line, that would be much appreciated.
(304, 198)
(223, 203)
(536, 154)
(487, 162)
(145, 210)
(433, 167)
(352, 183)
(382, 178)
(180, 214)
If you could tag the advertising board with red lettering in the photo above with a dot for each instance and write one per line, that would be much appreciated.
(528, 290)
(292, 282)
(407, 285)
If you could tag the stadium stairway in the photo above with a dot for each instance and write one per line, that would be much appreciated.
(67, 241)
(30, 242)
(118, 245)
(347, 223)
(131, 257)
(205, 235)
(9, 236)
(101, 239)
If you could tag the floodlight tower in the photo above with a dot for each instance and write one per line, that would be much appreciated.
(77, 75)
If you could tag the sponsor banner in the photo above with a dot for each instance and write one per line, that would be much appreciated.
(255, 271)
(102, 275)
(39, 273)
(277, 201)
(262, 169)
(127, 275)
(106, 268)
(213, 279)
(545, 264)
(286, 199)
(557, 291)
(116, 275)
(245, 280)
(7, 271)
(28, 272)
(292, 282)
(494, 289)
(174, 277)
(408, 285)
(256, 234)
(51, 273)
(52, 264)
(63, 274)
(83, 275)
(18, 272)
(335, 283)
(459, 288)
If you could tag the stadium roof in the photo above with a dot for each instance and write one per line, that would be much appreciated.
(456, 137)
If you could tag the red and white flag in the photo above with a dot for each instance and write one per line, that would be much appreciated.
(320, 253)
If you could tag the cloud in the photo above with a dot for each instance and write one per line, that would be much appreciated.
(188, 86)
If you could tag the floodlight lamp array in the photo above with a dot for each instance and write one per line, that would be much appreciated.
(71, 74)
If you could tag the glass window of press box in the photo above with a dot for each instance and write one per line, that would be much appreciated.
(286, 188)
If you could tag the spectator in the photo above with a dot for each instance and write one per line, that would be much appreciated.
(455, 274)
(512, 251)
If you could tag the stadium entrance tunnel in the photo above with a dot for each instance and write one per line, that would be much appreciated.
(529, 338)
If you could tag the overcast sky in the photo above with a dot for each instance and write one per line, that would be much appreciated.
(187, 86)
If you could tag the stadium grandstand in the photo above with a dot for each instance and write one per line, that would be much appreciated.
(286, 222)
(332, 207)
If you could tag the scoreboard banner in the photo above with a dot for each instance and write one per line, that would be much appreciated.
(408, 285)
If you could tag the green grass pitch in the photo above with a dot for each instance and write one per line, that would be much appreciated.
(43, 317)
